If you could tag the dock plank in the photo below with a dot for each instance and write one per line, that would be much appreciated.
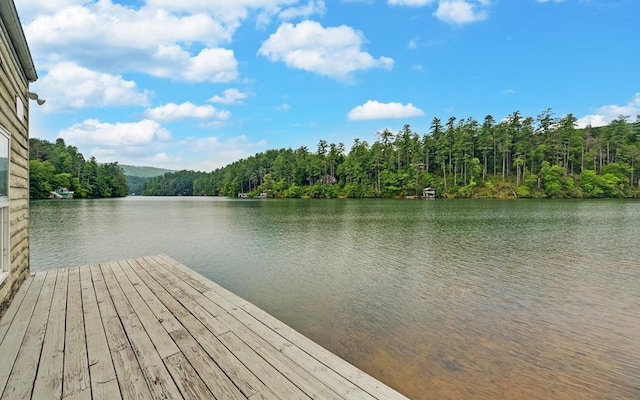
(187, 379)
(216, 380)
(76, 382)
(156, 374)
(12, 310)
(12, 342)
(296, 373)
(162, 313)
(165, 346)
(363, 385)
(271, 378)
(226, 360)
(151, 328)
(23, 374)
(131, 381)
(104, 383)
(48, 384)
(219, 384)
(203, 314)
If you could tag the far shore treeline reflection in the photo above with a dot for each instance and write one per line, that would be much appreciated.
(516, 157)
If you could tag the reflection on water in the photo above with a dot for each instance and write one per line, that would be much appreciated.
(439, 299)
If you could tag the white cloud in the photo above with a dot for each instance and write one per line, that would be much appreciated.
(220, 152)
(114, 38)
(229, 96)
(102, 134)
(605, 114)
(163, 158)
(333, 52)
(233, 13)
(593, 120)
(508, 91)
(210, 65)
(196, 154)
(410, 3)
(214, 65)
(30, 9)
(451, 11)
(304, 11)
(229, 10)
(68, 86)
(120, 27)
(375, 110)
(460, 12)
(173, 112)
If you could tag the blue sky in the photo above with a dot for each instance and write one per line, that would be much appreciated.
(198, 84)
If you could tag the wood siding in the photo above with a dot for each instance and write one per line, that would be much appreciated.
(13, 84)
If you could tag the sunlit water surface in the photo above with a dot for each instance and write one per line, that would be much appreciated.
(438, 299)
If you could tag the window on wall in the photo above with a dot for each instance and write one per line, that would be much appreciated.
(4, 203)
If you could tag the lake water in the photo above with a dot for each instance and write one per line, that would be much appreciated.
(439, 299)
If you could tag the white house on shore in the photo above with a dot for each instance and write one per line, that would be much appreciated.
(16, 72)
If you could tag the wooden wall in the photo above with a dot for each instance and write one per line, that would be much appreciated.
(13, 82)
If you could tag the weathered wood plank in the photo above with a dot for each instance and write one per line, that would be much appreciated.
(165, 346)
(162, 313)
(48, 384)
(271, 377)
(104, 383)
(295, 369)
(158, 378)
(187, 379)
(216, 380)
(24, 370)
(192, 280)
(327, 364)
(226, 360)
(76, 365)
(169, 282)
(151, 328)
(334, 363)
(257, 335)
(12, 310)
(291, 368)
(16, 332)
(130, 378)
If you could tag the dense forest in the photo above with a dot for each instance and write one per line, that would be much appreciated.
(137, 176)
(518, 156)
(55, 165)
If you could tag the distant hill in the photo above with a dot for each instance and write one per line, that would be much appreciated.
(143, 172)
(137, 176)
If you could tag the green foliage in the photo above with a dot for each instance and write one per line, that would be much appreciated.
(517, 157)
(40, 176)
(613, 183)
(135, 183)
(137, 176)
(552, 179)
(143, 172)
(56, 165)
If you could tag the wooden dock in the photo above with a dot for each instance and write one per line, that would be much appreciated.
(151, 328)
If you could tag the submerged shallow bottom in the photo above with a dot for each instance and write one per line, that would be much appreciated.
(438, 299)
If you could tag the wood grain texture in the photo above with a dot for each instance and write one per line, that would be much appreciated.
(151, 328)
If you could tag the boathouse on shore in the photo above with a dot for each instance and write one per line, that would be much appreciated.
(17, 70)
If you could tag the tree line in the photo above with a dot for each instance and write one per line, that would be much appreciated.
(542, 156)
(55, 165)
